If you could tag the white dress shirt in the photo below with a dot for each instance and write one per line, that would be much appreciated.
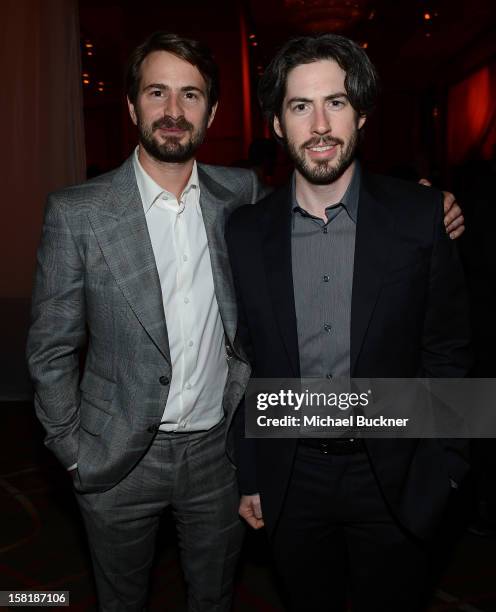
(194, 326)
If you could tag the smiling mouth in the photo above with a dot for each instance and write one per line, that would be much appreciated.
(171, 130)
(322, 153)
(172, 134)
(322, 149)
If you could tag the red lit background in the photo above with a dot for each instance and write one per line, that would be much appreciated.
(471, 120)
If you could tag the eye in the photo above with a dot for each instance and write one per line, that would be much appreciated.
(191, 96)
(337, 103)
(156, 93)
(300, 107)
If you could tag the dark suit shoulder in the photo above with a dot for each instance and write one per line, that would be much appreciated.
(401, 192)
(415, 210)
(254, 213)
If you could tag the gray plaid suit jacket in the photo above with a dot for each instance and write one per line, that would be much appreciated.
(97, 285)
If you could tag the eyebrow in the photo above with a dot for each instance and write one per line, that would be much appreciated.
(163, 87)
(330, 97)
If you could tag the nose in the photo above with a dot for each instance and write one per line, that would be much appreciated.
(173, 107)
(321, 122)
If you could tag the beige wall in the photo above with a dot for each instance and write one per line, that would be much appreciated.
(42, 125)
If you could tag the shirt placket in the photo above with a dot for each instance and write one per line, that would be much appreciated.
(186, 273)
(181, 248)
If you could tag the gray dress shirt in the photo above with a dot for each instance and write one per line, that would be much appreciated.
(322, 264)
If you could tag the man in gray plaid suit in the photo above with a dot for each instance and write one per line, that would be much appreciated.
(133, 264)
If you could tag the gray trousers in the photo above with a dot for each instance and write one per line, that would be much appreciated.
(191, 474)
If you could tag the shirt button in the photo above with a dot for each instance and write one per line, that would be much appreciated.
(326, 278)
(328, 327)
(324, 230)
(186, 300)
(329, 376)
(190, 343)
(185, 258)
(164, 380)
(188, 386)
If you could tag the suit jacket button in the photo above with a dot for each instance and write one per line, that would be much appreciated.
(163, 380)
(229, 351)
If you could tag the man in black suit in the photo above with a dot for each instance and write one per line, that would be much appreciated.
(342, 273)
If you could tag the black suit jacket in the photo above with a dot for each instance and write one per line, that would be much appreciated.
(409, 318)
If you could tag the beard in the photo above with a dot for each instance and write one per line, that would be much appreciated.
(322, 172)
(171, 150)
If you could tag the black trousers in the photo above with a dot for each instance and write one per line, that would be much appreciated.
(337, 543)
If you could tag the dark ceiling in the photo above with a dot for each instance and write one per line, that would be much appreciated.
(409, 49)
(417, 41)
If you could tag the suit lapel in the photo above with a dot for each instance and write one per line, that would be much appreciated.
(277, 251)
(122, 234)
(214, 203)
(372, 247)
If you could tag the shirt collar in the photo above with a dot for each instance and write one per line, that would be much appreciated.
(349, 200)
(150, 191)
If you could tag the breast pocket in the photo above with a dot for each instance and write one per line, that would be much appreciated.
(405, 271)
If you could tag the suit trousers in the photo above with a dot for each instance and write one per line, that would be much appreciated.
(336, 539)
(191, 474)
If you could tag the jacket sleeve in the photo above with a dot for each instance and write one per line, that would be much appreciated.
(244, 448)
(57, 333)
(446, 349)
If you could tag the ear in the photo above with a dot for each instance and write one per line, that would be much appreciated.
(361, 121)
(212, 114)
(132, 112)
(277, 127)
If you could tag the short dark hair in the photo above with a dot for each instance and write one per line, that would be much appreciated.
(192, 51)
(361, 81)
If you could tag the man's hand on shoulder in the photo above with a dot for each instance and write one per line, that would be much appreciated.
(251, 510)
(453, 216)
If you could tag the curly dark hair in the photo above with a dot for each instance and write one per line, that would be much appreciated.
(192, 51)
(361, 81)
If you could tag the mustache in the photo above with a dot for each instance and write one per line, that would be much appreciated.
(322, 141)
(169, 122)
